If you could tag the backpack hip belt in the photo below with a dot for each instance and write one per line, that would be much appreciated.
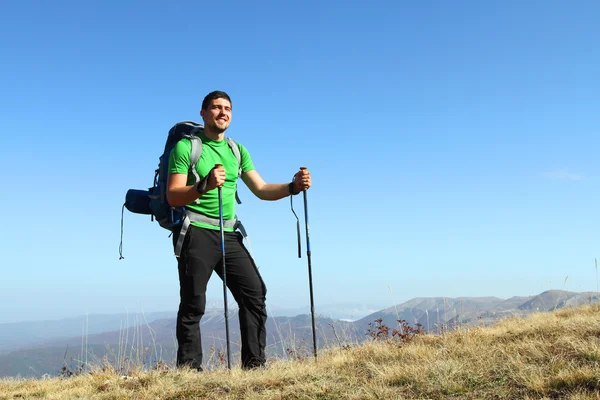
(191, 216)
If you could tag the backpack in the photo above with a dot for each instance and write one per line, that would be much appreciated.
(154, 202)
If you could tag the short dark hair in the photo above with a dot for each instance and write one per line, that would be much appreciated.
(217, 94)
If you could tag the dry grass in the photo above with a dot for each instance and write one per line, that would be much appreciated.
(544, 356)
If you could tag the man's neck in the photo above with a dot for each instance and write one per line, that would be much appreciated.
(214, 135)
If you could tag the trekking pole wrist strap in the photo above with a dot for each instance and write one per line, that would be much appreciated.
(291, 188)
(201, 185)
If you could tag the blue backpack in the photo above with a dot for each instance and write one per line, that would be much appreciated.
(154, 202)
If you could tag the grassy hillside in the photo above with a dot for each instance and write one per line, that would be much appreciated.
(546, 355)
(156, 340)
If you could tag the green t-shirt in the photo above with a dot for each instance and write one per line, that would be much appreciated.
(213, 152)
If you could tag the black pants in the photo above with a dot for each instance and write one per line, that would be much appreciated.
(200, 255)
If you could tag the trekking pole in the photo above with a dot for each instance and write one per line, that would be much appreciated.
(297, 227)
(312, 304)
(224, 273)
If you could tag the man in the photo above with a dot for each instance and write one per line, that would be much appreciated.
(201, 251)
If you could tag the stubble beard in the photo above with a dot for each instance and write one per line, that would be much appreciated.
(219, 128)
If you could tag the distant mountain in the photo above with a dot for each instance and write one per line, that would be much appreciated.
(14, 336)
(18, 334)
(156, 341)
(553, 299)
(286, 336)
(438, 313)
(433, 313)
(342, 311)
(512, 303)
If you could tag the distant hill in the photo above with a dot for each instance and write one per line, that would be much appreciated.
(438, 313)
(156, 341)
(512, 303)
(17, 334)
(286, 336)
(22, 335)
(554, 299)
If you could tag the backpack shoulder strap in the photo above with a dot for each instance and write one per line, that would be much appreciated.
(195, 154)
(236, 152)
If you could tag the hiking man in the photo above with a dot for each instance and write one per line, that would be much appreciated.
(201, 249)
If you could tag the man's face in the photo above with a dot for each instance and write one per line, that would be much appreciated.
(217, 115)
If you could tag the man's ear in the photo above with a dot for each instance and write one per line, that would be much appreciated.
(202, 113)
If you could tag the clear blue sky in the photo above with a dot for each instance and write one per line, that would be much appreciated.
(454, 146)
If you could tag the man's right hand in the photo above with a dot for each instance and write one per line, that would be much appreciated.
(179, 194)
(216, 178)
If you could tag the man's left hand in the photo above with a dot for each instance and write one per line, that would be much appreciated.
(302, 180)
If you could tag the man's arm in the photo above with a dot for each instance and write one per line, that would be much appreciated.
(180, 194)
(275, 191)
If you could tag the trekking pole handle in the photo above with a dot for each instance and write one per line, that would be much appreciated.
(218, 165)
(303, 169)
